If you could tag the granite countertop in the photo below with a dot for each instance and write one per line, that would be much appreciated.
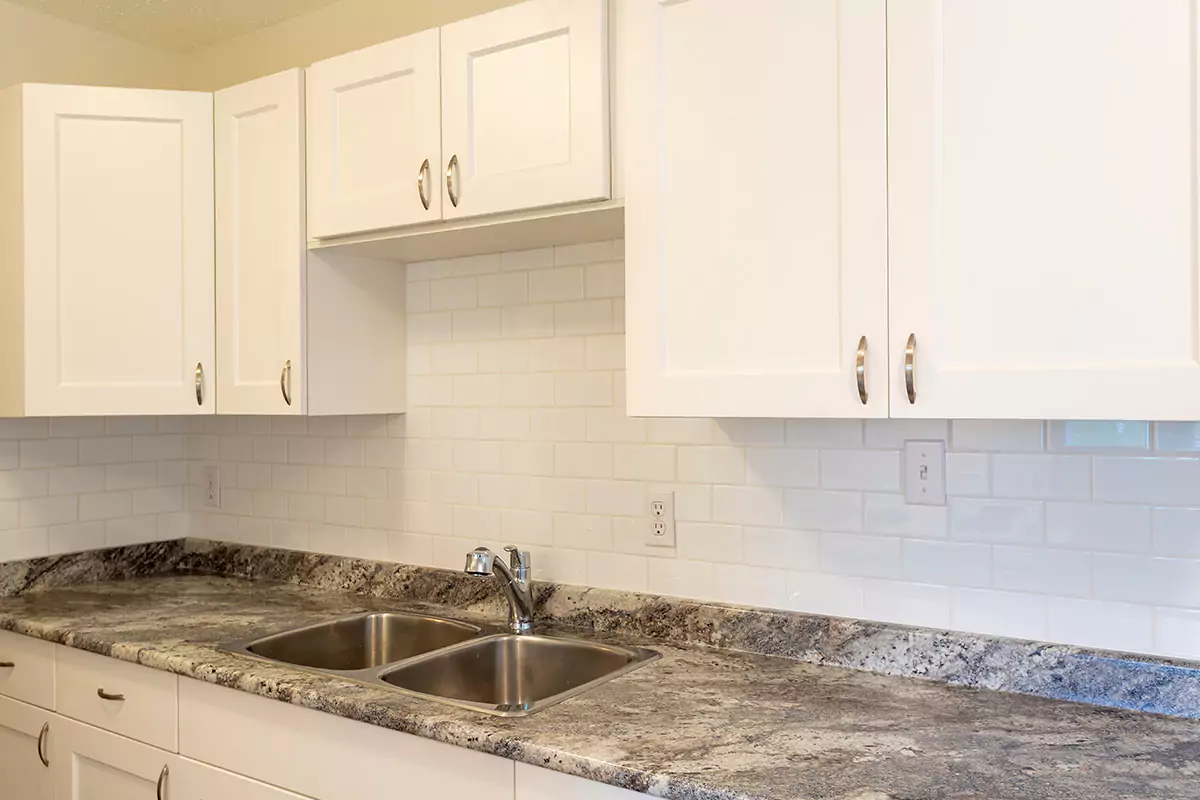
(698, 723)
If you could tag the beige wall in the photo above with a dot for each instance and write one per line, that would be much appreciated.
(339, 28)
(36, 48)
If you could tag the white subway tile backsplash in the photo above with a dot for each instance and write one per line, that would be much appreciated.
(782, 466)
(675, 578)
(751, 586)
(968, 474)
(1044, 571)
(1091, 436)
(996, 521)
(555, 285)
(1038, 477)
(1018, 616)
(839, 433)
(712, 465)
(702, 541)
(891, 434)
(947, 563)
(1150, 580)
(747, 505)
(750, 431)
(1091, 623)
(820, 593)
(823, 510)
(1153, 481)
(1098, 526)
(907, 603)
(998, 436)
(858, 555)
(1177, 632)
(889, 515)
(1176, 532)
(775, 547)
(869, 470)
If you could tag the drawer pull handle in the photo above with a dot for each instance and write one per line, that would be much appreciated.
(103, 695)
(860, 369)
(42, 745)
(285, 382)
(422, 177)
(162, 781)
(910, 356)
(6, 665)
(451, 177)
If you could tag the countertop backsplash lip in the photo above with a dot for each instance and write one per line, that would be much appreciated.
(1118, 680)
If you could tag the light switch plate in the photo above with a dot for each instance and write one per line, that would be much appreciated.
(212, 487)
(925, 473)
(660, 527)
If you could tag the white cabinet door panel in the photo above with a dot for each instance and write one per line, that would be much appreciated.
(756, 218)
(373, 120)
(191, 780)
(1043, 211)
(91, 764)
(261, 247)
(525, 107)
(22, 747)
(119, 251)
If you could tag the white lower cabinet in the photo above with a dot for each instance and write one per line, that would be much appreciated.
(191, 780)
(22, 769)
(328, 757)
(235, 746)
(534, 783)
(90, 764)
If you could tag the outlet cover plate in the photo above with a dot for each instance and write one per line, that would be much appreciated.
(660, 525)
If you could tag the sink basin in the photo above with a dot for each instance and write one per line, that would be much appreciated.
(358, 643)
(512, 675)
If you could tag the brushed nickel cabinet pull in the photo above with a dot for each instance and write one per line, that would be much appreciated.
(41, 745)
(451, 175)
(285, 382)
(910, 356)
(103, 695)
(199, 384)
(422, 177)
(162, 782)
(860, 369)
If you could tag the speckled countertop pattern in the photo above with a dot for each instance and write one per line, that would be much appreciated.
(698, 724)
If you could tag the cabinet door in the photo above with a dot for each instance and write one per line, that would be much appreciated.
(261, 246)
(191, 780)
(756, 217)
(535, 783)
(373, 122)
(91, 764)
(22, 748)
(525, 107)
(119, 251)
(1043, 210)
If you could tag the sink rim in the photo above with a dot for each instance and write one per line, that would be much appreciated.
(373, 676)
(638, 657)
(241, 647)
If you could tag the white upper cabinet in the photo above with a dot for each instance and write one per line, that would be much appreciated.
(1043, 209)
(261, 246)
(756, 217)
(374, 136)
(525, 107)
(106, 251)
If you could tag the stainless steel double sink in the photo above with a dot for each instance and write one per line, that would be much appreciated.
(509, 675)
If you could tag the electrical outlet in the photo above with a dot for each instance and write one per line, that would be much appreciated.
(212, 487)
(660, 530)
(925, 473)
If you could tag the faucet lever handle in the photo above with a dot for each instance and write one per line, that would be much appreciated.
(518, 561)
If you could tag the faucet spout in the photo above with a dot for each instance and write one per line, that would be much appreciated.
(515, 582)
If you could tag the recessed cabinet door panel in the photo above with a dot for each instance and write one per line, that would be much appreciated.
(261, 246)
(756, 218)
(91, 764)
(23, 774)
(119, 251)
(373, 121)
(525, 107)
(1043, 208)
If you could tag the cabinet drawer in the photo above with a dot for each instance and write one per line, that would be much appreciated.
(321, 755)
(31, 676)
(191, 780)
(144, 704)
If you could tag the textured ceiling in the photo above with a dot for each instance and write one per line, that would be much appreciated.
(180, 25)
